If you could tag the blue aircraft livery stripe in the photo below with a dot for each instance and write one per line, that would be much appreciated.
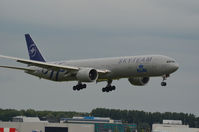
(57, 75)
(51, 74)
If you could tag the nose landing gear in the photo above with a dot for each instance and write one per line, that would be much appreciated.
(163, 83)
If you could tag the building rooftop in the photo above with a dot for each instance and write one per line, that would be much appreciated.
(90, 120)
(25, 119)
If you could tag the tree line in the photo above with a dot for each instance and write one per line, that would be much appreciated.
(141, 118)
(146, 119)
(8, 114)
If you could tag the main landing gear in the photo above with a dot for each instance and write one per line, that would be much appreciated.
(108, 87)
(79, 86)
(163, 83)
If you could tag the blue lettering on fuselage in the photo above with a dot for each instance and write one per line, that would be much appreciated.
(57, 74)
(44, 71)
(135, 60)
(52, 73)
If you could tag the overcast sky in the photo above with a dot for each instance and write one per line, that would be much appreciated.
(76, 29)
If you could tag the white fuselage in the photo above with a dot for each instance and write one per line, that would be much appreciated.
(119, 67)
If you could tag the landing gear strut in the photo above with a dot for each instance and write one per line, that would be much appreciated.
(108, 87)
(163, 83)
(79, 86)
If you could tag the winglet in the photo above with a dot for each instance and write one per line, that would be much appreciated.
(33, 51)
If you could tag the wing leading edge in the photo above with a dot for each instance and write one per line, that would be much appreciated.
(45, 65)
(18, 68)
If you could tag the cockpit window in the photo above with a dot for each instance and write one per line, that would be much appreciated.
(170, 61)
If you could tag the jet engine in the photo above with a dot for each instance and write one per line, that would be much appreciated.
(139, 81)
(87, 75)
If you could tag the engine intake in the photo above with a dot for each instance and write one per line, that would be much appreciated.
(87, 75)
(139, 81)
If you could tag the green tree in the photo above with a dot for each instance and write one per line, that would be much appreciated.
(31, 113)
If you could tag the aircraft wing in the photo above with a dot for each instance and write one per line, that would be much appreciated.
(45, 65)
(18, 68)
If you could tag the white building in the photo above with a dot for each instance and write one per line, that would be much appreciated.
(25, 119)
(33, 124)
(173, 126)
(76, 124)
(90, 120)
(47, 127)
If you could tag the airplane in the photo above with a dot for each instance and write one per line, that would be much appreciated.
(138, 69)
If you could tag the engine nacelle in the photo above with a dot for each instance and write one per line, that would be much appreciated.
(87, 75)
(139, 81)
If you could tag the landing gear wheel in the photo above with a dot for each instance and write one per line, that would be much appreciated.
(83, 86)
(74, 88)
(163, 83)
(107, 90)
(164, 78)
(113, 88)
(103, 89)
(108, 87)
(79, 86)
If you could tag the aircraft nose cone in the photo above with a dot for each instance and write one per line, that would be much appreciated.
(175, 66)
